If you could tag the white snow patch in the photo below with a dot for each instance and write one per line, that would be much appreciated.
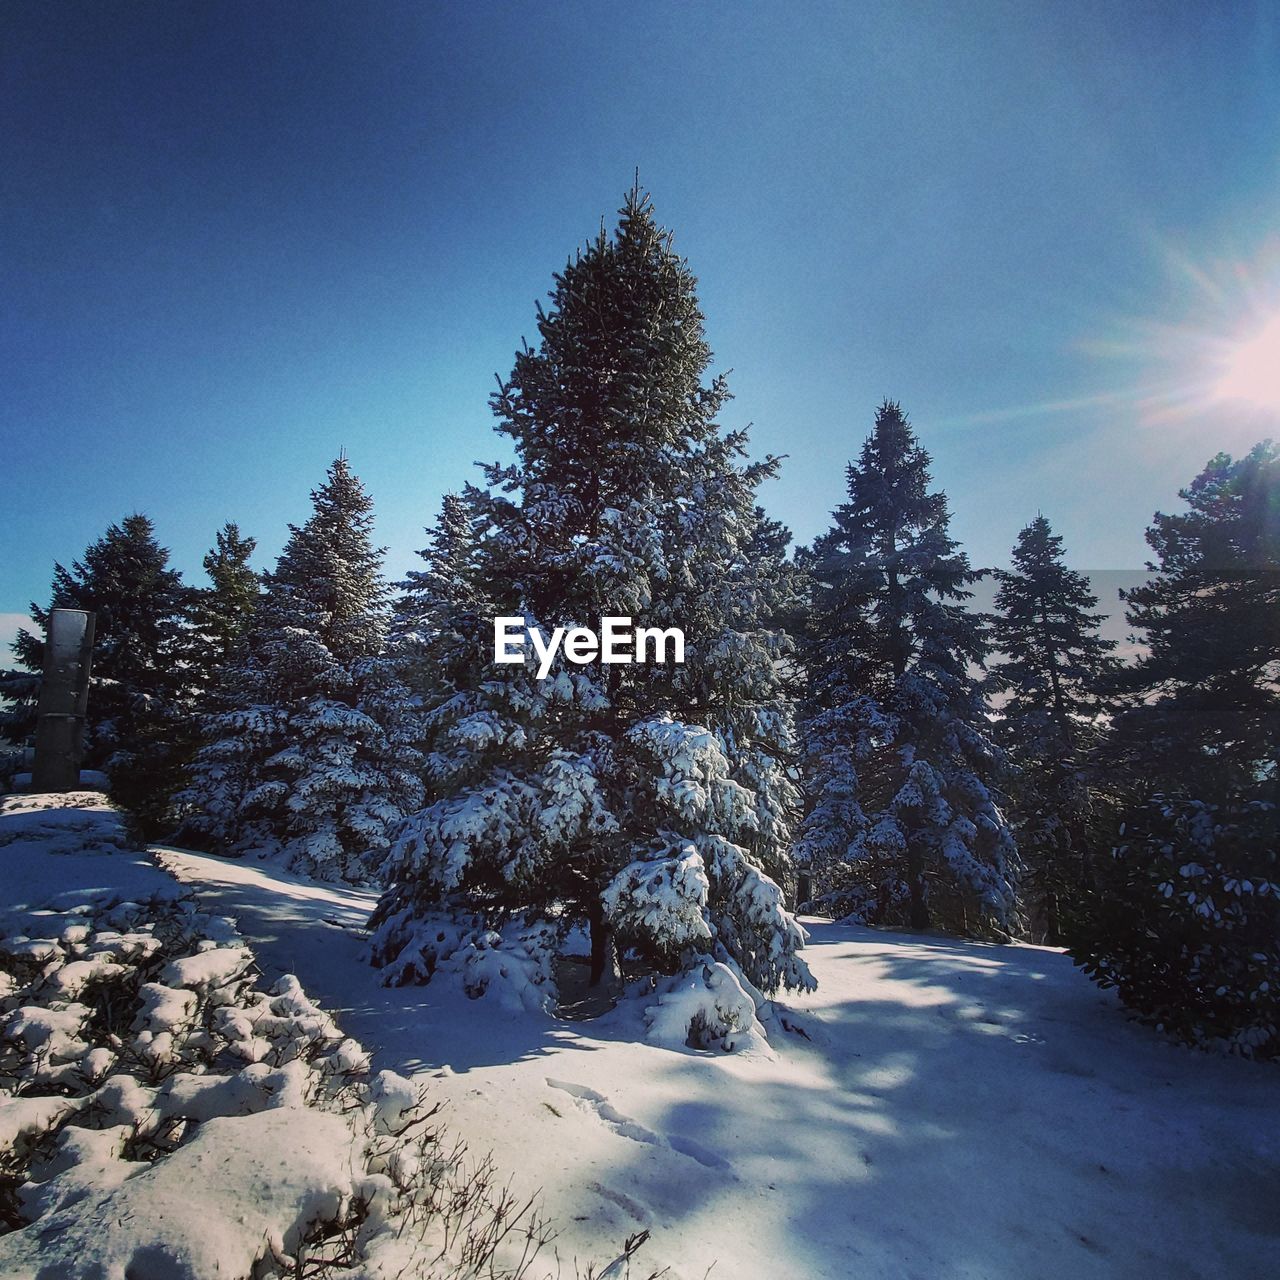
(206, 1210)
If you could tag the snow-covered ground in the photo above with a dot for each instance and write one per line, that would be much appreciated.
(939, 1109)
(957, 1110)
(163, 1116)
(54, 848)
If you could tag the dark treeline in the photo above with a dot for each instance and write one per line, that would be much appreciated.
(844, 726)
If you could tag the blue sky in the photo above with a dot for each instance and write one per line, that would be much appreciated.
(239, 237)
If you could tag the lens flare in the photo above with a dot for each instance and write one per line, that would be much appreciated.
(1252, 370)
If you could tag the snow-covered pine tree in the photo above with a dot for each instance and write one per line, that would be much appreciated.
(439, 624)
(214, 618)
(311, 755)
(1184, 919)
(136, 678)
(648, 801)
(903, 824)
(441, 640)
(220, 613)
(1048, 684)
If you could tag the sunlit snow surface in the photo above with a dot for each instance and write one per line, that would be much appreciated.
(957, 1110)
(71, 846)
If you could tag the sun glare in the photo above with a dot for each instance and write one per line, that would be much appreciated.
(1211, 360)
(1252, 370)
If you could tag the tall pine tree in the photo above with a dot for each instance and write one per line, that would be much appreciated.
(903, 824)
(1185, 919)
(1048, 683)
(213, 619)
(651, 801)
(311, 753)
(220, 613)
(1202, 705)
(439, 624)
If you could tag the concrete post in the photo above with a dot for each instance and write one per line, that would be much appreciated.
(64, 699)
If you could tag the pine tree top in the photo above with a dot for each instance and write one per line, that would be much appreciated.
(890, 581)
(125, 579)
(1040, 584)
(1053, 664)
(892, 523)
(1234, 518)
(330, 571)
(616, 379)
(227, 564)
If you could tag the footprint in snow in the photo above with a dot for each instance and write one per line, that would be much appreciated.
(696, 1151)
(625, 1127)
(633, 1208)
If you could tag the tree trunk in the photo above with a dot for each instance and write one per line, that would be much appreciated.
(919, 907)
(1062, 719)
(604, 953)
(1052, 929)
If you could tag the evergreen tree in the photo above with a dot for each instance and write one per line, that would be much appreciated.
(310, 754)
(213, 618)
(221, 612)
(1201, 713)
(1184, 921)
(441, 640)
(649, 801)
(1053, 667)
(439, 625)
(19, 696)
(136, 674)
(903, 823)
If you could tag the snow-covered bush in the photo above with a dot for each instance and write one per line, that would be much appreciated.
(1185, 922)
(705, 1007)
(514, 964)
(849, 898)
(164, 1117)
